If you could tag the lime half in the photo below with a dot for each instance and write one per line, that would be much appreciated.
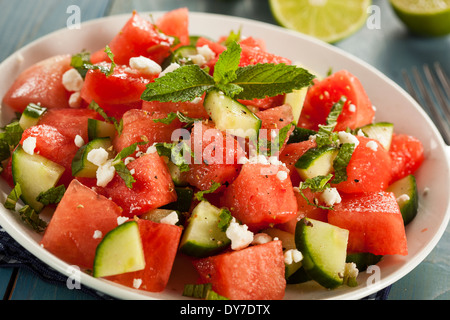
(424, 17)
(327, 20)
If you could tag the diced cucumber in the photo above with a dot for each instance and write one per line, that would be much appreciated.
(324, 249)
(296, 99)
(184, 200)
(177, 176)
(316, 162)
(363, 259)
(300, 134)
(120, 251)
(157, 215)
(202, 236)
(182, 54)
(229, 114)
(406, 193)
(31, 115)
(81, 166)
(34, 174)
(298, 276)
(380, 131)
(100, 129)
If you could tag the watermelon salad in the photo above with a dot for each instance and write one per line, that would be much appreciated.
(166, 144)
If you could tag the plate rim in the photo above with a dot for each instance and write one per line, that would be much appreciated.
(123, 292)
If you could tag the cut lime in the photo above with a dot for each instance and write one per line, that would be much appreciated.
(327, 20)
(424, 18)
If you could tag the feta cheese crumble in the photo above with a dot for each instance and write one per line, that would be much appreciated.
(372, 145)
(170, 68)
(137, 283)
(239, 235)
(72, 80)
(345, 137)
(97, 234)
(261, 238)
(402, 199)
(79, 141)
(75, 100)
(105, 173)
(282, 175)
(330, 196)
(121, 220)
(98, 156)
(29, 145)
(292, 256)
(171, 219)
(145, 65)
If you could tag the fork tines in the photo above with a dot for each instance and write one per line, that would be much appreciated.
(434, 94)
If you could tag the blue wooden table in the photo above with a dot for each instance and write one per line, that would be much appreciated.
(387, 46)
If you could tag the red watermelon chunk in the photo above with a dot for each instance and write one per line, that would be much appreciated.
(407, 155)
(190, 109)
(253, 273)
(216, 157)
(153, 188)
(357, 111)
(259, 198)
(70, 233)
(160, 245)
(40, 84)
(138, 37)
(53, 145)
(369, 170)
(175, 23)
(140, 123)
(70, 122)
(291, 153)
(374, 222)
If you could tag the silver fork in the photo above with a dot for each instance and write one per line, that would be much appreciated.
(434, 94)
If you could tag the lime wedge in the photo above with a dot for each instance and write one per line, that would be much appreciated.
(327, 20)
(424, 18)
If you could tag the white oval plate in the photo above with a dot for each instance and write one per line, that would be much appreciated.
(392, 103)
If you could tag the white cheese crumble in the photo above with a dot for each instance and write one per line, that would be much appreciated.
(352, 108)
(75, 100)
(351, 271)
(292, 256)
(97, 234)
(239, 235)
(282, 175)
(72, 80)
(172, 219)
(29, 144)
(206, 52)
(145, 65)
(137, 283)
(372, 145)
(402, 199)
(346, 137)
(105, 173)
(170, 68)
(79, 141)
(128, 160)
(98, 156)
(121, 220)
(331, 196)
(261, 238)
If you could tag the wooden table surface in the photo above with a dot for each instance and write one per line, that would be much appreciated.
(389, 48)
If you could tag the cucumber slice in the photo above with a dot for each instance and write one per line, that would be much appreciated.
(298, 276)
(316, 162)
(34, 174)
(363, 259)
(120, 251)
(31, 116)
(229, 114)
(381, 131)
(324, 249)
(100, 129)
(81, 166)
(202, 236)
(296, 99)
(182, 54)
(177, 176)
(184, 200)
(406, 193)
(300, 134)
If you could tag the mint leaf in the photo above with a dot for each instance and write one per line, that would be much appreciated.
(82, 63)
(268, 80)
(326, 134)
(232, 37)
(111, 57)
(120, 167)
(341, 161)
(167, 120)
(200, 194)
(13, 198)
(117, 124)
(228, 63)
(9, 139)
(29, 216)
(51, 196)
(316, 184)
(225, 218)
(175, 152)
(172, 116)
(183, 84)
